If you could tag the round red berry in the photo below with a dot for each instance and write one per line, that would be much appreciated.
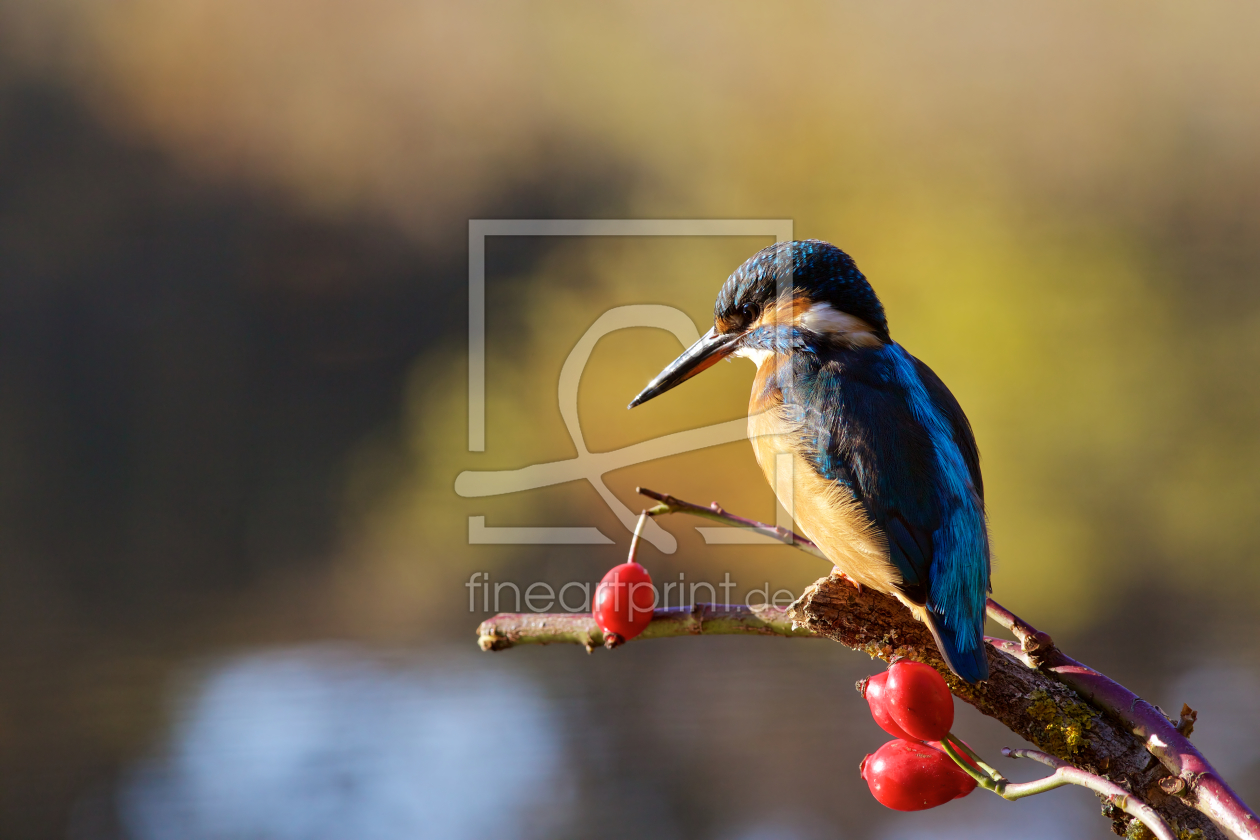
(909, 776)
(624, 601)
(874, 690)
(919, 701)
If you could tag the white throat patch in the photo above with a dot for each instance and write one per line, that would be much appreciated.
(758, 355)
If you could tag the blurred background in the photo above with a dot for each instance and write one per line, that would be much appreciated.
(233, 399)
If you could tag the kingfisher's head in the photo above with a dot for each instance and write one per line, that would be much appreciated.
(790, 296)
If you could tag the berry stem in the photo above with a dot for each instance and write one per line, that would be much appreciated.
(983, 775)
(951, 738)
(634, 541)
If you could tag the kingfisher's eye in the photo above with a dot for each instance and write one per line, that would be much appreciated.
(748, 312)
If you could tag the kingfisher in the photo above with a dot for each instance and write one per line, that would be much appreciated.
(885, 469)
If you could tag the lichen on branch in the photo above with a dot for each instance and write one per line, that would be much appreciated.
(1075, 714)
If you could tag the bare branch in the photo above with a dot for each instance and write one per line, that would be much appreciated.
(1202, 787)
(1031, 703)
(1034, 689)
(507, 630)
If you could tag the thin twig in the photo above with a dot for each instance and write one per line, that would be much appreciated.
(669, 504)
(1066, 774)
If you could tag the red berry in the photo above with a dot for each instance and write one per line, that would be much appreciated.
(624, 600)
(909, 776)
(876, 696)
(919, 700)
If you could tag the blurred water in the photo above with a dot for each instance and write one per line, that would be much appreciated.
(334, 742)
(747, 738)
(1065, 814)
(752, 739)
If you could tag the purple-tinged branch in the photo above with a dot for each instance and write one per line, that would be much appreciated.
(1201, 786)
(1066, 774)
(1033, 688)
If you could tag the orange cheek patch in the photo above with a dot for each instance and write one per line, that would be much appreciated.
(787, 311)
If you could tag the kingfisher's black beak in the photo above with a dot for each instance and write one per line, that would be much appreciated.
(704, 354)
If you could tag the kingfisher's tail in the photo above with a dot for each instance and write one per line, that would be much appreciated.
(970, 662)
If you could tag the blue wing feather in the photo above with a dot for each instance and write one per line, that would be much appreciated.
(879, 421)
(964, 438)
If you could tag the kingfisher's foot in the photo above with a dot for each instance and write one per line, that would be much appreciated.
(836, 571)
